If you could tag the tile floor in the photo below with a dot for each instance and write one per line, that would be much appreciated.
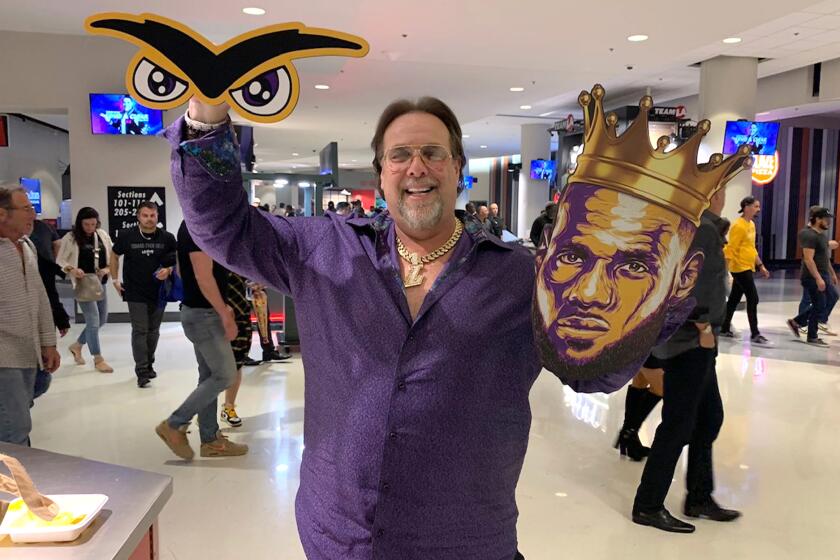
(777, 457)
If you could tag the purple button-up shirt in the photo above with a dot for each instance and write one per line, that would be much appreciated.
(415, 431)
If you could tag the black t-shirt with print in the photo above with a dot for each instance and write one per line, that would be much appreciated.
(143, 254)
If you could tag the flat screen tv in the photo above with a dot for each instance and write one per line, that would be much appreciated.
(761, 136)
(543, 169)
(33, 192)
(118, 113)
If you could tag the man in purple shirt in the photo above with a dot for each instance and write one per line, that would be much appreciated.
(414, 441)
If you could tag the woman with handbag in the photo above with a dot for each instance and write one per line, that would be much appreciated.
(84, 255)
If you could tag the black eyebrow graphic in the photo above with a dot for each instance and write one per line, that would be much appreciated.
(213, 74)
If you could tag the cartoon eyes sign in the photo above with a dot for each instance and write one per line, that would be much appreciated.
(253, 72)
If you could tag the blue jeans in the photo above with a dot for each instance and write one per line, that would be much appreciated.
(216, 370)
(17, 387)
(96, 315)
(831, 297)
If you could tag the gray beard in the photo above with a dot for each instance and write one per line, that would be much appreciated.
(421, 217)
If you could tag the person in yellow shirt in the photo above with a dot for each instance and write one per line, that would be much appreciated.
(743, 260)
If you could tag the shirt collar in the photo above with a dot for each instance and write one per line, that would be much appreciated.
(472, 226)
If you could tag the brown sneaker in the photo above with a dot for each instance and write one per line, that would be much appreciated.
(101, 365)
(76, 351)
(176, 440)
(223, 447)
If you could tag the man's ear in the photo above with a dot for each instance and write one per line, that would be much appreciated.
(690, 271)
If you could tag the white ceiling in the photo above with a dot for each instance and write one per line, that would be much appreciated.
(470, 52)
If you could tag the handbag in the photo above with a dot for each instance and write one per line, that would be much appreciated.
(171, 289)
(89, 287)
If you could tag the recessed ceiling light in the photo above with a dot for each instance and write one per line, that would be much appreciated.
(732, 40)
(253, 11)
(547, 114)
(322, 86)
(637, 38)
(295, 154)
(517, 88)
(353, 160)
(482, 146)
(524, 107)
(465, 136)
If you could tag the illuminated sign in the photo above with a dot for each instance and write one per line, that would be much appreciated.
(765, 168)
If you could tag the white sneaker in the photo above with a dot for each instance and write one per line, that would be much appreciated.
(825, 328)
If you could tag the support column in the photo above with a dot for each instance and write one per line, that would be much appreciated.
(533, 194)
(727, 92)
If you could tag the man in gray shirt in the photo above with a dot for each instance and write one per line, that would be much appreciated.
(27, 332)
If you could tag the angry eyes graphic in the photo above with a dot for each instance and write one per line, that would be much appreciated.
(253, 72)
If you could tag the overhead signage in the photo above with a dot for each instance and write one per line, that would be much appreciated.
(667, 114)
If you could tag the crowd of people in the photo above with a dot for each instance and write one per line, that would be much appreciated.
(418, 154)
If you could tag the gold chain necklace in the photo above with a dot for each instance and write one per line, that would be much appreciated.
(415, 273)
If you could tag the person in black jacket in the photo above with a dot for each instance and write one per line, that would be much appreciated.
(545, 218)
(692, 412)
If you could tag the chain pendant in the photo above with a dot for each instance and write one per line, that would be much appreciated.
(415, 273)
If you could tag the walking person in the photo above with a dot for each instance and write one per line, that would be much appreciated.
(692, 411)
(210, 325)
(237, 298)
(818, 276)
(149, 253)
(643, 394)
(84, 256)
(27, 332)
(742, 257)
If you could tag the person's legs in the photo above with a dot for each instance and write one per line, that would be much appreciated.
(683, 377)
(831, 297)
(17, 389)
(809, 316)
(735, 295)
(804, 303)
(642, 397)
(155, 317)
(700, 475)
(216, 368)
(90, 334)
(748, 286)
(138, 313)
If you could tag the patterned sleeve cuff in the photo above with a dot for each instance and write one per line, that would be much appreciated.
(216, 151)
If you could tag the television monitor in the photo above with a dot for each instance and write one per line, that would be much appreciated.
(33, 192)
(762, 136)
(118, 113)
(543, 169)
(469, 181)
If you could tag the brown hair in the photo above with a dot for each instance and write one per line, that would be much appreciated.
(431, 105)
(146, 204)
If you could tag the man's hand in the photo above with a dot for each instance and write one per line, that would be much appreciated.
(229, 323)
(163, 274)
(832, 244)
(63, 332)
(50, 358)
(119, 287)
(707, 336)
(103, 272)
(820, 284)
(764, 272)
(78, 273)
(208, 114)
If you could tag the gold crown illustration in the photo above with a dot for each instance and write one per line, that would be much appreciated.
(629, 164)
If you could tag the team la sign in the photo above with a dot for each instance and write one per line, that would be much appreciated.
(765, 168)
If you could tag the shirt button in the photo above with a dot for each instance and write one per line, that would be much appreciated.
(401, 386)
(380, 532)
(393, 435)
(386, 486)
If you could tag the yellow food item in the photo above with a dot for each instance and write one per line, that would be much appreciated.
(28, 520)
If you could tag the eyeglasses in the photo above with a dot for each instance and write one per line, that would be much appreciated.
(399, 158)
(28, 208)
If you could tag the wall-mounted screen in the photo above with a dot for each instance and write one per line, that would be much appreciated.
(33, 192)
(762, 136)
(117, 113)
(543, 169)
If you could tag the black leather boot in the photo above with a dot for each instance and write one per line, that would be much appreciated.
(637, 406)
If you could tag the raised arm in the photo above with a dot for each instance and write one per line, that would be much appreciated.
(207, 178)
